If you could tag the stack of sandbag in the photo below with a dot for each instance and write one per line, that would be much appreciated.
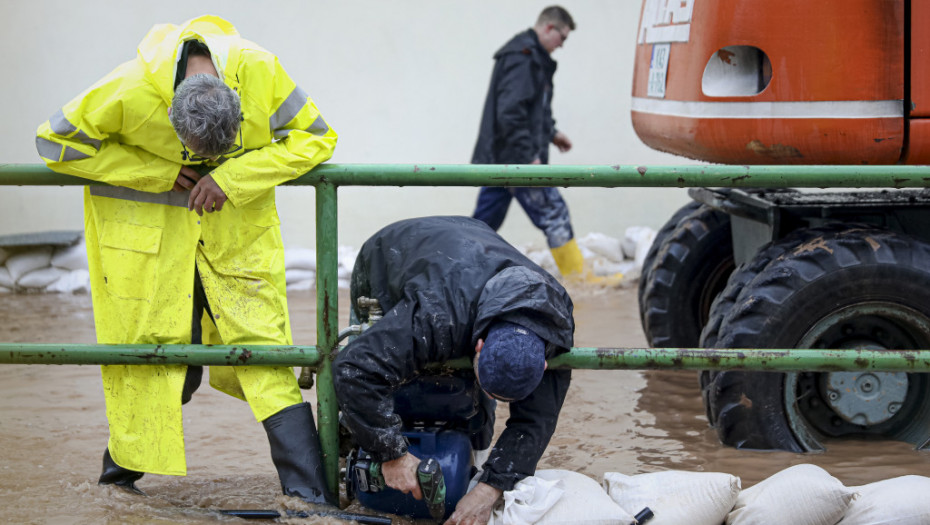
(673, 496)
(896, 501)
(604, 255)
(63, 269)
(800, 495)
(44, 269)
(300, 267)
(558, 497)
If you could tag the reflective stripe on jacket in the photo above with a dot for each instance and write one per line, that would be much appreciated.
(143, 244)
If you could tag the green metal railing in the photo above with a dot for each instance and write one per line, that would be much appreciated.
(327, 178)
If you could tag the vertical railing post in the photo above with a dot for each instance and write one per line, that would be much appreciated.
(327, 327)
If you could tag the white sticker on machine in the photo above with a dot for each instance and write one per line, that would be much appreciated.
(658, 70)
(666, 21)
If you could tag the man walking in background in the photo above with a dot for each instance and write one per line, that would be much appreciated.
(517, 127)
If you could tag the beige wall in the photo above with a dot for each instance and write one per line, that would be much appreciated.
(401, 81)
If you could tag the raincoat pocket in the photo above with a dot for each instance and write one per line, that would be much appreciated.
(265, 217)
(129, 258)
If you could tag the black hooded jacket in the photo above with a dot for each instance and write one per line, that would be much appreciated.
(441, 281)
(517, 125)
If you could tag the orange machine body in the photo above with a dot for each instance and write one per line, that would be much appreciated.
(784, 82)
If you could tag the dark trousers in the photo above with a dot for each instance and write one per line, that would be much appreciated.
(544, 206)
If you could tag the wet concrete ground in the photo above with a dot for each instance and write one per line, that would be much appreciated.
(53, 430)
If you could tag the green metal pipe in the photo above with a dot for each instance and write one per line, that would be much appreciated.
(759, 360)
(608, 176)
(790, 360)
(327, 327)
(781, 360)
(219, 355)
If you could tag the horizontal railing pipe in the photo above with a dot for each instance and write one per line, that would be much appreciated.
(787, 360)
(607, 176)
(175, 354)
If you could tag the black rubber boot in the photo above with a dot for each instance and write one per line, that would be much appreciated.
(114, 474)
(295, 451)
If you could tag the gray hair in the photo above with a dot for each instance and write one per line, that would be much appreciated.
(205, 114)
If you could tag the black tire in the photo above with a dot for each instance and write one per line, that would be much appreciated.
(743, 274)
(661, 235)
(857, 288)
(690, 268)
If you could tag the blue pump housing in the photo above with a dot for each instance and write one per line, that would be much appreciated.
(453, 451)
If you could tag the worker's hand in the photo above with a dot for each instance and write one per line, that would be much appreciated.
(476, 506)
(207, 196)
(536, 161)
(561, 142)
(401, 474)
(187, 179)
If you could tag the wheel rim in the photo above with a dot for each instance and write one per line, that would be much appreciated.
(714, 284)
(893, 405)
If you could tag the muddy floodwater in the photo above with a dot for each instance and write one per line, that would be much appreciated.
(53, 430)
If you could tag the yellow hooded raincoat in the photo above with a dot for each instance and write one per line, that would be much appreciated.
(143, 243)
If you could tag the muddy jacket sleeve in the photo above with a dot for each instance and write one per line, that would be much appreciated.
(368, 371)
(83, 137)
(301, 141)
(530, 427)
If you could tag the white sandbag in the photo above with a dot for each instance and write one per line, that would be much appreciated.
(557, 497)
(295, 275)
(642, 248)
(20, 264)
(603, 267)
(602, 245)
(529, 500)
(586, 253)
(3, 255)
(896, 501)
(633, 237)
(6, 280)
(300, 259)
(71, 257)
(544, 259)
(41, 278)
(76, 281)
(346, 258)
(801, 495)
(674, 496)
(301, 286)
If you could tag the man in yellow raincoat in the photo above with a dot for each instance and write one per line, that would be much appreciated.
(192, 136)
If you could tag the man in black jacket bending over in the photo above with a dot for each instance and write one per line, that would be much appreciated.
(450, 287)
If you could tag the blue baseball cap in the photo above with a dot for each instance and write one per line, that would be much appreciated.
(512, 361)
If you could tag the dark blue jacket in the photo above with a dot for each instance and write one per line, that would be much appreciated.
(441, 282)
(517, 125)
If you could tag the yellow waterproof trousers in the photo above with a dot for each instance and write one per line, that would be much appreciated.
(142, 257)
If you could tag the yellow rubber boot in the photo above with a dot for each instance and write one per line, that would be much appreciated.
(571, 265)
(568, 258)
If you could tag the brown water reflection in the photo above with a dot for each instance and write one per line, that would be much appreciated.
(53, 429)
